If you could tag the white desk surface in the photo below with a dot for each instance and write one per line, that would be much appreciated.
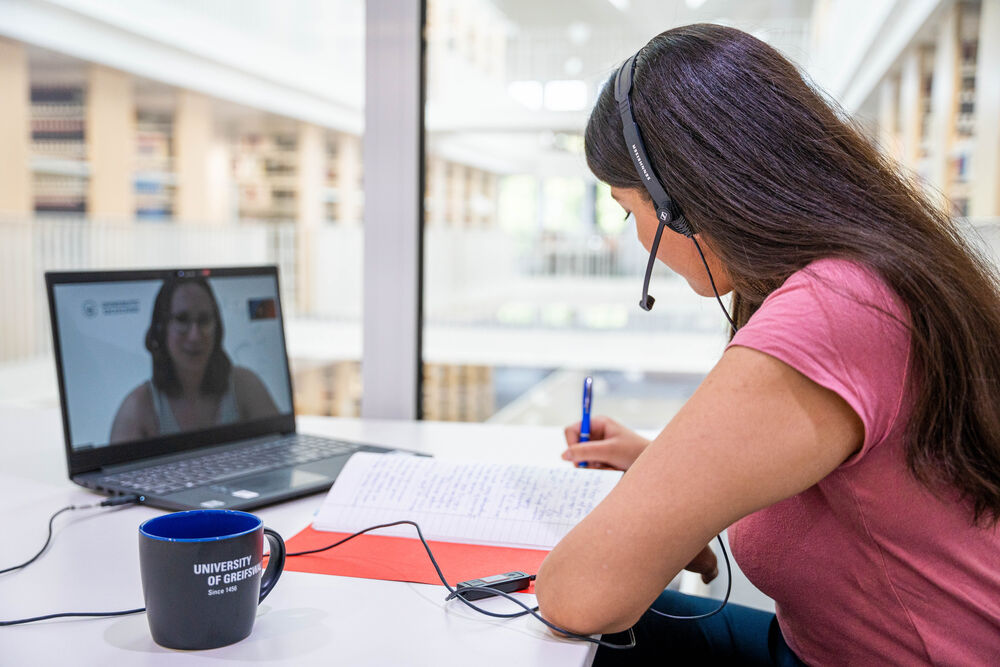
(92, 565)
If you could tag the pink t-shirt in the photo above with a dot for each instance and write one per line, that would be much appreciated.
(867, 566)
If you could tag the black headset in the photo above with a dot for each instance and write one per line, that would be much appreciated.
(667, 210)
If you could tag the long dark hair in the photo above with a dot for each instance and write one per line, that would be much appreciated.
(217, 370)
(774, 178)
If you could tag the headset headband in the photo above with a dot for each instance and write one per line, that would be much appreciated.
(668, 212)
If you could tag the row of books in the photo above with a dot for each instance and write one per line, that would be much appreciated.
(154, 184)
(265, 166)
(60, 194)
(965, 114)
(69, 150)
(968, 57)
(58, 134)
(57, 129)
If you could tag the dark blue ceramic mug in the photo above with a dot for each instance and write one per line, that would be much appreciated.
(202, 575)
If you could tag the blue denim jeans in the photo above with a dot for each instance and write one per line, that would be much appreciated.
(735, 636)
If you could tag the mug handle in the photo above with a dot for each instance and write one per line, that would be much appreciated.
(275, 563)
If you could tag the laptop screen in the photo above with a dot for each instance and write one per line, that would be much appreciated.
(144, 358)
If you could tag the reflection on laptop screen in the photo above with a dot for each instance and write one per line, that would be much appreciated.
(149, 358)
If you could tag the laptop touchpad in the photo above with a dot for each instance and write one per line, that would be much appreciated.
(275, 480)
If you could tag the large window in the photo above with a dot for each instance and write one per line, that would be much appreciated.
(146, 133)
(532, 276)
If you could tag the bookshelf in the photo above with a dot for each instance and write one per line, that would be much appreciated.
(343, 191)
(154, 178)
(331, 184)
(942, 108)
(925, 112)
(963, 139)
(331, 389)
(459, 195)
(265, 168)
(458, 392)
(58, 149)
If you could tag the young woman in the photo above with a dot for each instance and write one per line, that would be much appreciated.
(848, 438)
(194, 383)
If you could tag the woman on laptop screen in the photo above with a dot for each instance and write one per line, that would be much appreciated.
(194, 383)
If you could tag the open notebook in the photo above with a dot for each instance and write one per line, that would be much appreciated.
(480, 518)
(497, 504)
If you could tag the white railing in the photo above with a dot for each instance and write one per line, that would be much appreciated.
(589, 255)
(470, 274)
(465, 269)
(29, 248)
(320, 268)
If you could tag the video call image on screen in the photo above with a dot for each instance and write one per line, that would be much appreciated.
(150, 358)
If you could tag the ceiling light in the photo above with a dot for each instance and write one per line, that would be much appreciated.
(527, 93)
(570, 95)
(578, 32)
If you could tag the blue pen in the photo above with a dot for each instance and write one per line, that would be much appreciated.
(588, 391)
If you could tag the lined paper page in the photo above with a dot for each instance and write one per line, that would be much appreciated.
(474, 503)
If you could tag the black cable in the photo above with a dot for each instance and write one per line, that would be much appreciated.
(729, 569)
(110, 502)
(453, 593)
(534, 612)
(725, 600)
(72, 613)
(47, 539)
(459, 595)
(117, 500)
(714, 289)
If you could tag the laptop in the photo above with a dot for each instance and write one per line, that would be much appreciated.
(175, 385)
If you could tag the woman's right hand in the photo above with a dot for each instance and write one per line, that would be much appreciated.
(611, 445)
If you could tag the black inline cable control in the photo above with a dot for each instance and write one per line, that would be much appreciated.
(484, 587)
(130, 499)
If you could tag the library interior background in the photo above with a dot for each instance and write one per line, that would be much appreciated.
(169, 133)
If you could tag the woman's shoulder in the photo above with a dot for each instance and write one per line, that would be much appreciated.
(244, 376)
(836, 295)
(140, 405)
(252, 394)
(836, 291)
(248, 386)
(840, 278)
(136, 416)
(840, 324)
(140, 398)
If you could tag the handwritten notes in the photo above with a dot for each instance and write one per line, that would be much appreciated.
(473, 503)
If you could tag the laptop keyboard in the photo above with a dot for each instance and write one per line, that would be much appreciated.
(259, 457)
